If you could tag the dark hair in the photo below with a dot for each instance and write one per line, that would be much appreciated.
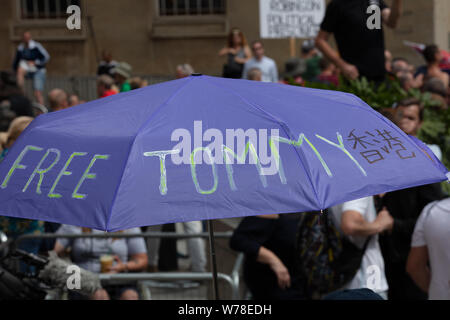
(308, 46)
(388, 113)
(8, 85)
(408, 102)
(324, 63)
(403, 77)
(435, 85)
(395, 68)
(257, 41)
(430, 53)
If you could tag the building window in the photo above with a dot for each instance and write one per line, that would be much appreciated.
(191, 7)
(45, 9)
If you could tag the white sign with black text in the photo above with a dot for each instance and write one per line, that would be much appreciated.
(290, 18)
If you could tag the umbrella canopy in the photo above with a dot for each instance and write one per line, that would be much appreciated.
(203, 148)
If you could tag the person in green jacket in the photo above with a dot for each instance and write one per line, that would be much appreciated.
(312, 58)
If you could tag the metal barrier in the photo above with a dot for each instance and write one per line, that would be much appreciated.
(158, 280)
(83, 86)
(145, 280)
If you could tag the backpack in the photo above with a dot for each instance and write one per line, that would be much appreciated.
(326, 259)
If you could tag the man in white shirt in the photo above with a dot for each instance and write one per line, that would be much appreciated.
(267, 66)
(358, 220)
(429, 244)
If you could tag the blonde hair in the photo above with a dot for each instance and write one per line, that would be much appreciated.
(17, 126)
(254, 74)
(138, 82)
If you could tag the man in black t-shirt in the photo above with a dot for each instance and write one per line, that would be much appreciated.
(107, 64)
(359, 40)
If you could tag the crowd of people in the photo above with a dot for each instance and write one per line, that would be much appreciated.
(409, 259)
(402, 234)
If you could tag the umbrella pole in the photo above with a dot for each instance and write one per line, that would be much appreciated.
(213, 259)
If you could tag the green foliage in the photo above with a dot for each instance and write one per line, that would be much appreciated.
(436, 130)
(436, 125)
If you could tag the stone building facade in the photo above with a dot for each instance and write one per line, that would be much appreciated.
(154, 39)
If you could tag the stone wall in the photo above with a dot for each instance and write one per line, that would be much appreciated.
(134, 32)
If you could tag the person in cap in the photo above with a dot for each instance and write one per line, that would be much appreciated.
(104, 86)
(294, 68)
(312, 60)
(39, 109)
(122, 72)
(183, 71)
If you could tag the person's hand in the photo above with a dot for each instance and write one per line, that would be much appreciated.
(282, 273)
(31, 63)
(118, 267)
(223, 51)
(349, 71)
(385, 220)
(232, 51)
(239, 60)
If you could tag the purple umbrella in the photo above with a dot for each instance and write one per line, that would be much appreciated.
(204, 148)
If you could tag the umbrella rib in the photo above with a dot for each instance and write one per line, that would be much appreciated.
(286, 130)
(134, 140)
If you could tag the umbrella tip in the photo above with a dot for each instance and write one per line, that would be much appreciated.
(196, 75)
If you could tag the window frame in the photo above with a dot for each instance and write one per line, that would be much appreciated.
(199, 7)
(62, 17)
(47, 29)
(194, 26)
